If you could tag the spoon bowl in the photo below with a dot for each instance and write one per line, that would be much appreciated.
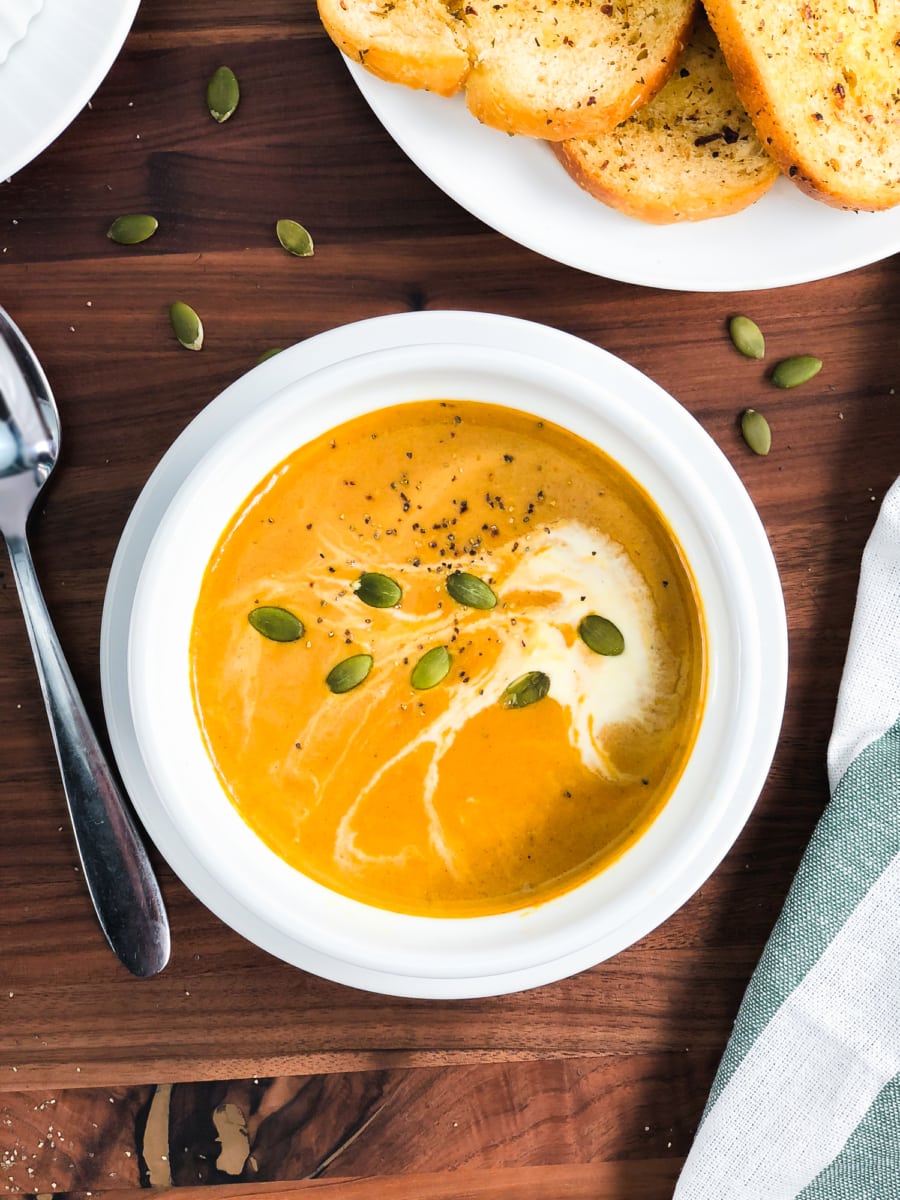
(120, 879)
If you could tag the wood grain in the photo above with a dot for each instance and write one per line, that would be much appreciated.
(426, 1121)
(589, 1087)
(605, 1181)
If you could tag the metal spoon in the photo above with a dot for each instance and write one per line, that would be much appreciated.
(116, 868)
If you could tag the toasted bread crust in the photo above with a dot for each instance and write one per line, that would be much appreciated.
(418, 43)
(690, 154)
(561, 69)
(569, 68)
(821, 82)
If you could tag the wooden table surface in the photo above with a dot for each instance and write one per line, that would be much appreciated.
(232, 1070)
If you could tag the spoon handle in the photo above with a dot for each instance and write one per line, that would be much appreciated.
(116, 868)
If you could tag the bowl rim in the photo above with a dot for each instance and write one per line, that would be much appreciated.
(412, 337)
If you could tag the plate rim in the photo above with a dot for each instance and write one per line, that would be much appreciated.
(423, 125)
(37, 55)
(260, 384)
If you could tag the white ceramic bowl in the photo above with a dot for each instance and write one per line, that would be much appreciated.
(541, 372)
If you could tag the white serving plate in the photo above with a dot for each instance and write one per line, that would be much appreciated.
(53, 69)
(15, 17)
(201, 481)
(517, 186)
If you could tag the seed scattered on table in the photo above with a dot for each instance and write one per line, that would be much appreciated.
(294, 238)
(223, 94)
(132, 228)
(791, 372)
(756, 432)
(186, 325)
(747, 337)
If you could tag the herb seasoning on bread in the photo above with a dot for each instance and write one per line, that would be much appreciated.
(559, 69)
(821, 82)
(690, 154)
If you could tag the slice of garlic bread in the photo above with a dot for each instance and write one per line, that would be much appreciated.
(558, 69)
(550, 69)
(690, 154)
(419, 43)
(821, 82)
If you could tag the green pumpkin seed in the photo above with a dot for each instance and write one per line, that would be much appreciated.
(349, 673)
(132, 228)
(223, 94)
(601, 635)
(267, 354)
(378, 591)
(187, 325)
(747, 337)
(527, 689)
(294, 238)
(791, 372)
(470, 591)
(276, 624)
(431, 668)
(756, 432)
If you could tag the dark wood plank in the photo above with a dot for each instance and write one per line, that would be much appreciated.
(410, 1123)
(606, 1181)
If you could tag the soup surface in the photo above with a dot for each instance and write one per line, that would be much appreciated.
(531, 746)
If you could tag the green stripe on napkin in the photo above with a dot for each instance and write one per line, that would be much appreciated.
(806, 1101)
(868, 1168)
(855, 839)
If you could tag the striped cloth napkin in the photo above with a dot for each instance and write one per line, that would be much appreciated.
(806, 1101)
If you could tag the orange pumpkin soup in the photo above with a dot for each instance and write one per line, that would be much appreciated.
(448, 659)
